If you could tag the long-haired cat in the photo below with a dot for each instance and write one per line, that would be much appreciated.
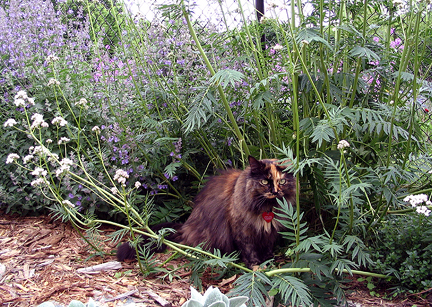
(235, 212)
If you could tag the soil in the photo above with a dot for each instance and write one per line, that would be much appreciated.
(40, 260)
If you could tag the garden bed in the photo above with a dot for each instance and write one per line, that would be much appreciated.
(42, 256)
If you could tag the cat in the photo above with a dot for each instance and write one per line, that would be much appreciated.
(235, 212)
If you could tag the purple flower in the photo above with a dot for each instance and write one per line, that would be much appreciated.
(396, 43)
(174, 178)
(71, 195)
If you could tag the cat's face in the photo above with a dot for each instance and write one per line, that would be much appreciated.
(269, 179)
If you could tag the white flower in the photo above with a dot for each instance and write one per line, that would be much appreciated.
(121, 176)
(38, 121)
(49, 141)
(304, 42)
(21, 95)
(423, 210)
(52, 58)
(53, 81)
(64, 168)
(59, 120)
(137, 184)
(415, 200)
(12, 158)
(82, 103)
(67, 202)
(39, 171)
(343, 144)
(19, 102)
(277, 47)
(39, 181)
(66, 161)
(10, 122)
(114, 190)
(39, 150)
(96, 129)
(63, 140)
(20, 99)
(27, 158)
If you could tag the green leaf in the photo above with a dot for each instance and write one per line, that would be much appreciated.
(311, 35)
(292, 290)
(364, 52)
(322, 132)
(225, 77)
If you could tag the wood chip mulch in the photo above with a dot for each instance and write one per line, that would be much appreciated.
(40, 260)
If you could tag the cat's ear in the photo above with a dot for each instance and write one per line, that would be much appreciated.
(255, 165)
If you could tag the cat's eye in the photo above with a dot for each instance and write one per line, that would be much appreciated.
(264, 181)
(282, 181)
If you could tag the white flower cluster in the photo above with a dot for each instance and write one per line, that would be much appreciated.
(63, 140)
(41, 174)
(277, 47)
(21, 98)
(39, 150)
(10, 123)
(82, 103)
(96, 129)
(121, 176)
(52, 58)
(343, 144)
(38, 121)
(59, 120)
(416, 200)
(64, 168)
(12, 157)
(53, 81)
(27, 159)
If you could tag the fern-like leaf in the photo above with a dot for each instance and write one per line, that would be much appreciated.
(292, 290)
(252, 285)
(225, 77)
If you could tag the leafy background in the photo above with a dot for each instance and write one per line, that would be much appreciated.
(178, 97)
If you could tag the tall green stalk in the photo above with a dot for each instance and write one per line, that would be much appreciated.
(240, 137)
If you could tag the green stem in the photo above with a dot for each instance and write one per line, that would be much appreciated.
(224, 99)
(301, 270)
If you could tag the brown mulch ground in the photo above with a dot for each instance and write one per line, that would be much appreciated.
(41, 258)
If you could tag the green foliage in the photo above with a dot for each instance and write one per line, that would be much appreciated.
(402, 248)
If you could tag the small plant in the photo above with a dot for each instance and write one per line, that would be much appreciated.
(403, 249)
(214, 298)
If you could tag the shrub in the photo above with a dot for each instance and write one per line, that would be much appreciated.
(402, 248)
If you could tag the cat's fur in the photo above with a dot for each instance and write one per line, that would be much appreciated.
(227, 214)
